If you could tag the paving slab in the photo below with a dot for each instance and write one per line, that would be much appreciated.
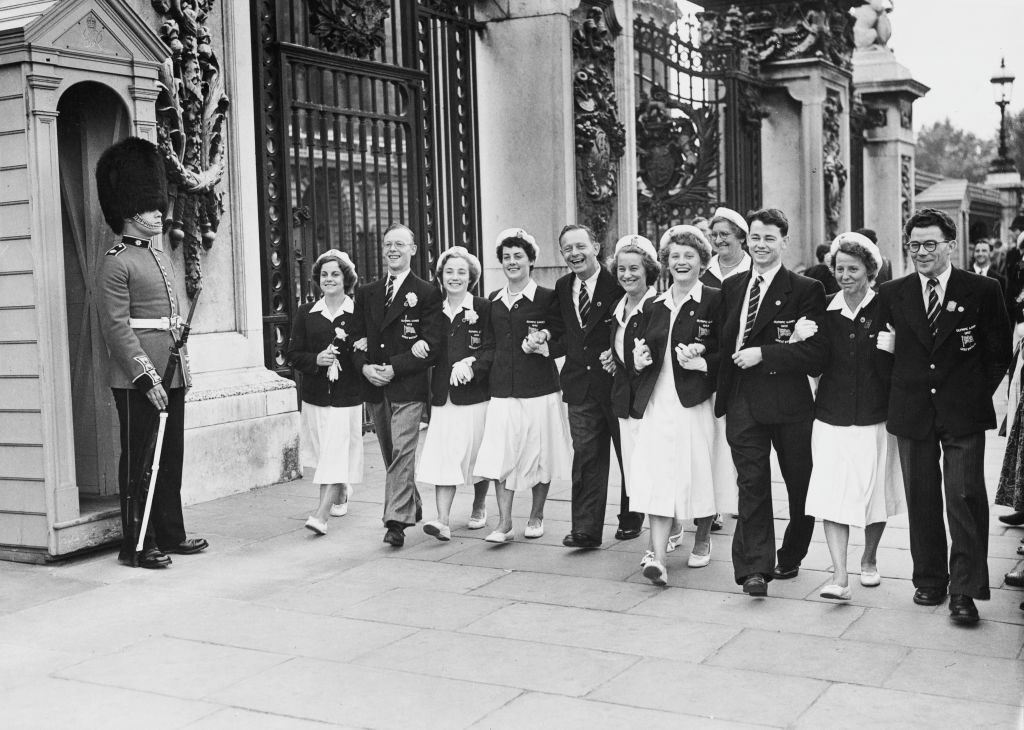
(234, 717)
(402, 573)
(22, 664)
(566, 590)
(952, 674)
(423, 608)
(559, 560)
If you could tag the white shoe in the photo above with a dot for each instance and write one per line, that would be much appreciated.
(534, 530)
(438, 529)
(500, 537)
(837, 592)
(320, 528)
(699, 561)
(870, 579)
(674, 540)
(655, 572)
(647, 558)
(339, 510)
(477, 523)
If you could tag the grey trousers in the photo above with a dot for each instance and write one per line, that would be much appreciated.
(398, 426)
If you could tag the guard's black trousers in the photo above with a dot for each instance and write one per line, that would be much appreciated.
(138, 417)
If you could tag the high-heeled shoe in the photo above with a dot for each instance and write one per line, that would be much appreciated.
(501, 537)
(699, 561)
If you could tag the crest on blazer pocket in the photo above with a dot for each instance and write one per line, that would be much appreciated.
(409, 328)
(474, 339)
(966, 334)
(783, 329)
(535, 325)
(703, 327)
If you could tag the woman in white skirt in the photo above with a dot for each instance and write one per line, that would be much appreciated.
(679, 453)
(459, 393)
(526, 437)
(332, 403)
(856, 478)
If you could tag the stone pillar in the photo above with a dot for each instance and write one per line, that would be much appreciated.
(1010, 189)
(888, 92)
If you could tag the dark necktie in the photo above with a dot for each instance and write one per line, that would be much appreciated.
(389, 290)
(933, 306)
(755, 299)
(584, 303)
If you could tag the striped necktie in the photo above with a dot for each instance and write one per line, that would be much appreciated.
(933, 306)
(584, 304)
(389, 290)
(755, 299)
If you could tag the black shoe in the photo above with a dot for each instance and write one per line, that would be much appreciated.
(962, 609)
(780, 573)
(1014, 518)
(624, 533)
(755, 585)
(1014, 578)
(929, 596)
(151, 558)
(717, 524)
(188, 546)
(579, 540)
(395, 536)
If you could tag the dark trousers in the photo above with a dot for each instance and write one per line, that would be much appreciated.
(753, 544)
(963, 466)
(594, 428)
(138, 418)
(398, 427)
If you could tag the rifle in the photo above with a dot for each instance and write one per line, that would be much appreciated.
(154, 445)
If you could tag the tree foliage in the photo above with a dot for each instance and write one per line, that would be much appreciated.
(954, 152)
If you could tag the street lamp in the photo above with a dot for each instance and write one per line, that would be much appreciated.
(1002, 90)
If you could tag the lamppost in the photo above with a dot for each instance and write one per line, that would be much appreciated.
(1002, 90)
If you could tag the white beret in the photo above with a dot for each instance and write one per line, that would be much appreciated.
(733, 217)
(674, 230)
(458, 251)
(333, 253)
(644, 244)
(860, 240)
(529, 242)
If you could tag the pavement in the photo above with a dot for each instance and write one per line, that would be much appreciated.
(274, 627)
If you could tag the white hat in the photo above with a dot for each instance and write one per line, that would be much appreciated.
(644, 244)
(733, 217)
(333, 253)
(860, 240)
(528, 240)
(675, 230)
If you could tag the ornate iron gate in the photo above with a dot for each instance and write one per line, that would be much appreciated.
(368, 117)
(698, 120)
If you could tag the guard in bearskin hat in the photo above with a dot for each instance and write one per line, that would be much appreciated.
(139, 318)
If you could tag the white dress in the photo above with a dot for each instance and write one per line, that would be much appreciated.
(450, 448)
(332, 443)
(679, 455)
(628, 427)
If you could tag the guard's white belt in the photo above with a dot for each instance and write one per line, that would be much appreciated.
(161, 323)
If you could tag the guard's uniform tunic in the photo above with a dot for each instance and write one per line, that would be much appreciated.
(139, 317)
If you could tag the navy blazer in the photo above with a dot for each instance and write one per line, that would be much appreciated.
(945, 384)
(515, 374)
(623, 382)
(776, 390)
(414, 314)
(311, 333)
(694, 323)
(582, 376)
(463, 340)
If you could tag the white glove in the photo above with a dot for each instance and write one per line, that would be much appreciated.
(804, 330)
(642, 355)
(887, 340)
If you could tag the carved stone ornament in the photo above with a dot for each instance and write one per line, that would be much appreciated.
(191, 112)
(906, 189)
(872, 28)
(783, 31)
(834, 170)
(352, 27)
(677, 155)
(600, 136)
(906, 114)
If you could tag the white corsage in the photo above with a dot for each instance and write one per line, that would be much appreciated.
(951, 307)
(340, 334)
(411, 299)
(471, 316)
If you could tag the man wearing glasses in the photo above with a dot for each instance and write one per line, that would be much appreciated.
(947, 332)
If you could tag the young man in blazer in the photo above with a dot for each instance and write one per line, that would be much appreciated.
(949, 336)
(764, 392)
(400, 317)
(582, 315)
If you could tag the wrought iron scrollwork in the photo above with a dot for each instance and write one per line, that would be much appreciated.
(835, 172)
(600, 136)
(677, 150)
(191, 112)
(352, 27)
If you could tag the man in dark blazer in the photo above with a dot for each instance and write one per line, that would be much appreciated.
(764, 393)
(400, 317)
(582, 315)
(949, 339)
(982, 257)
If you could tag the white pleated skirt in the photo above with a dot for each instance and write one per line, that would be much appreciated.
(451, 445)
(526, 442)
(856, 478)
(332, 443)
(628, 429)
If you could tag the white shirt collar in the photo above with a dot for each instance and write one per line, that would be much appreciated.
(838, 303)
(943, 280)
(696, 293)
(620, 308)
(465, 306)
(981, 271)
(768, 277)
(399, 278)
(529, 292)
(590, 281)
(347, 307)
(715, 267)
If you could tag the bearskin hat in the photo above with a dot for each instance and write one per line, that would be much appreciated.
(130, 179)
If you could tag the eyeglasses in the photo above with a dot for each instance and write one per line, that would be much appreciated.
(718, 235)
(928, 246)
